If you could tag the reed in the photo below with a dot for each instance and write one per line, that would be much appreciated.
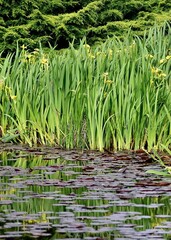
(115, 95)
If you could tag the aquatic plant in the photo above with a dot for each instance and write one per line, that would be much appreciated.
(163, 159)
(114, 96)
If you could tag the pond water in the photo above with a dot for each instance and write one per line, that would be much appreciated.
(48, 193)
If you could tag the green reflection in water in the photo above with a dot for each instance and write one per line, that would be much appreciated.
(70, 212)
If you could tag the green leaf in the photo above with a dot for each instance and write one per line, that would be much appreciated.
(9, 137)
(161, 173)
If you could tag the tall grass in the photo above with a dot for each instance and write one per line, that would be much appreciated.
(116, 95)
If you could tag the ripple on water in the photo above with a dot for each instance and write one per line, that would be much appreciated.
(82, 195)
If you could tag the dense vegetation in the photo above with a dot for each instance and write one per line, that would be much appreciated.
(115, 96)
(57, 22)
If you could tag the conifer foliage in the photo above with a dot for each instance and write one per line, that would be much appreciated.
(58, 22)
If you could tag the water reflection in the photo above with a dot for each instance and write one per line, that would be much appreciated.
(53, 197)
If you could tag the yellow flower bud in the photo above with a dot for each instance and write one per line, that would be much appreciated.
(162, 61)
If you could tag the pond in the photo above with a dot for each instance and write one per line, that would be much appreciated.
(49, 193)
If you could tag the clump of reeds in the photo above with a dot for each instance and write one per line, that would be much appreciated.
(113, 96)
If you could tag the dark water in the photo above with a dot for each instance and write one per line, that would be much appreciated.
(54, 194)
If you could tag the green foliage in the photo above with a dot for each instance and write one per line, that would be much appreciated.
(165, 5)
(58, 22)
(115, 95)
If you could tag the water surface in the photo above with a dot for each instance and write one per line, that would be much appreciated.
(49, 193)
